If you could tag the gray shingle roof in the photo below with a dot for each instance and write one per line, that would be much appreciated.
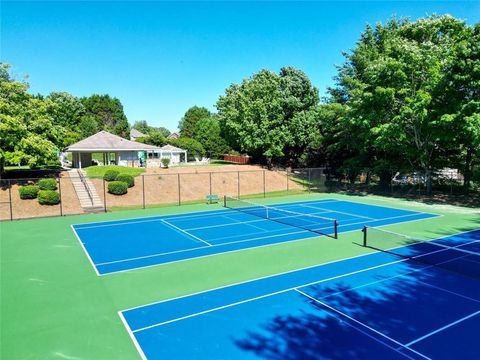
(104, 141)
(171, 148)
(136, 134)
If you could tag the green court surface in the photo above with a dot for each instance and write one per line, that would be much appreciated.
(54, 306)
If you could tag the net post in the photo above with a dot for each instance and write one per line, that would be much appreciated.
(225, 201)
(364, 230)
(104, 196)
(335, 226)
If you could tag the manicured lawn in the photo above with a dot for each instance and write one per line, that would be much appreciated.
(55, 307)
(99, 171)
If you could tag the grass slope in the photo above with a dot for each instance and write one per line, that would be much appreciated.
(99, 171)
(53, 306)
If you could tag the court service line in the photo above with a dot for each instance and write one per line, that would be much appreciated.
(185, 232)
(248, 248)
(360, 323)
(248, 223)
(340, 212)
(444, 328)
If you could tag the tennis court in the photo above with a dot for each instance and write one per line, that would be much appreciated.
(419, 301)
(136, 243)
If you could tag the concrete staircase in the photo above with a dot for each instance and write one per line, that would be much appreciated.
(86, 192)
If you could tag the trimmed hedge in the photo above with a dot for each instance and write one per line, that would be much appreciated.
(110, 175)
(165, 162)
(48, 197)
(47, 184)
(28, 191)
(128, 179)
(117, 187)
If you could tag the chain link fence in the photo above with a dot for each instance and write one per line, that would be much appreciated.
(156, 190)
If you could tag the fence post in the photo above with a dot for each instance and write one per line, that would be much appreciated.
(104, 196)
(287, 181)
(10, 198)
(238, 184)
(364, 230)
(210, 181)
(143, 191)
(179, 195)
(60, 193)
(309, 180)
(264, 192)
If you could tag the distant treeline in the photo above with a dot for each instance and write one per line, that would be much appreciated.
(407, 97)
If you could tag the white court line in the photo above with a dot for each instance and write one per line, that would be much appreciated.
(132, 336)
(185, 232)
(85, 251)
(340, 212)
(250, 248)
(443, 328)
(282, 273)
(360, 323)
(248, 223)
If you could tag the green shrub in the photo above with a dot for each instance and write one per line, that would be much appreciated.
(110, 175)
(128, 179)
(47, 184)
(117, 187)
(165, 162)
(48, 197)
(28, 191)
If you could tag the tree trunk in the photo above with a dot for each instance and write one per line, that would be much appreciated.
(428, 180)
(467, 173)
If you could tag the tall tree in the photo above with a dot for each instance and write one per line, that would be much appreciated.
(258, 116)
(189, 121)
(108, 112)
(27, 134)
(207, 132)
(66, 110)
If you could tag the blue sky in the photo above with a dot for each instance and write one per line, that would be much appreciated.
(160, 58)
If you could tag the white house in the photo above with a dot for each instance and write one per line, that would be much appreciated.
(120, 151)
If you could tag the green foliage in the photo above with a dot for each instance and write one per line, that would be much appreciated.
(28, 191)
(117, 187)
(154, 138)
(99, 171)
(259, 115)
(127, 179)
(88, 126)
(65, 109)
(165, 162)
(189, 121)
(207, 133)
(48, 197)
(162, 130)
(111, 175)
(142, 126)
(27, 133)
(193, 147)
(108, 113)
(47, 184)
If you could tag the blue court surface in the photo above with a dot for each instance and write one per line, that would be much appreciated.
(136, 243)
(375, 306)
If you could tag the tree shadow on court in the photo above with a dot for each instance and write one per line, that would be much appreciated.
(401, 307)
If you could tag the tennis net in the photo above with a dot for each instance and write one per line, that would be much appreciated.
(317, 224)
(462, 258)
